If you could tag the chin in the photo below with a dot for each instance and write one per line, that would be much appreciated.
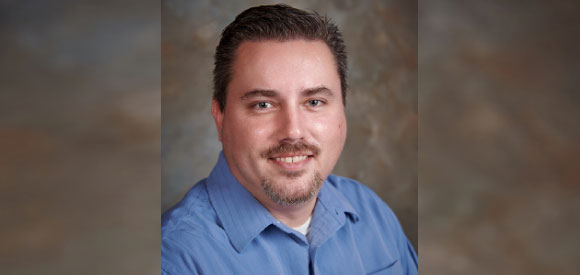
(292, 191)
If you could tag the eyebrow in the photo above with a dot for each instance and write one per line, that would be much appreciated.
(317, 90)
(259, 92)
(275, 94)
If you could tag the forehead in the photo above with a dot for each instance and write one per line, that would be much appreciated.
(285, 66)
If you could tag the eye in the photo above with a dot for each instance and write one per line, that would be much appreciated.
(263, 105)
(314, 103)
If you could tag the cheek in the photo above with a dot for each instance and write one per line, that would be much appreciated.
(342, 128)
(341, 132)
(330, 132)
(246, 134)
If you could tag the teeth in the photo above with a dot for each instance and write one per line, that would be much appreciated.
(292, 159)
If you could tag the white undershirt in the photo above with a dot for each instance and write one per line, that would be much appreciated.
(304, 227)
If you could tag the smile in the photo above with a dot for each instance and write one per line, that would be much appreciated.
(292, 162)
(292, 159)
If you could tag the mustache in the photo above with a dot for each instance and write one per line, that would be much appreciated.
(285, 147)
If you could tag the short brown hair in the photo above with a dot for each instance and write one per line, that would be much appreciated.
(274, 22)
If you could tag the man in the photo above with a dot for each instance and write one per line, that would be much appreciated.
(270, 205)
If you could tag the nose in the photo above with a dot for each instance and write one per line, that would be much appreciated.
(291, 124)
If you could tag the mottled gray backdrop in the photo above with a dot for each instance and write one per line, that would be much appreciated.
(499, 138)
(381, 147)
(499, 154)
(80, 123)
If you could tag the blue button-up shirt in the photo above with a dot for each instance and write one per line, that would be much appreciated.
(220, 228)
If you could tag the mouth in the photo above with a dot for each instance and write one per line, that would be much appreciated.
(293, 162)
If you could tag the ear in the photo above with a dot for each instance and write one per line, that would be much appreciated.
(218, 117)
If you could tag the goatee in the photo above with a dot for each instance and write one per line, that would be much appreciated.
(277, 192)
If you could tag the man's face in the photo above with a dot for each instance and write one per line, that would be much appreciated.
(283, 127)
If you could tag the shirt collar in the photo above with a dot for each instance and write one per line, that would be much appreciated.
(336, 202)
(241, 215)
(330, 213)
(244, 218)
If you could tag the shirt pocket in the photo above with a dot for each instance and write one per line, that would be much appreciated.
(391, 269)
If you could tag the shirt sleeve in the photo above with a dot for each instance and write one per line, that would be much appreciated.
(409, 258)
(407, 253)
(176, 259)
(185, 252)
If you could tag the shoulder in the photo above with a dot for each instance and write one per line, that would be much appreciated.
(346, 185)
(375, 219)
(187, 211)
(367, 204)
(189, 230)
(356, 193)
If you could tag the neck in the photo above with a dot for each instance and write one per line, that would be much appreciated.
(294, 215)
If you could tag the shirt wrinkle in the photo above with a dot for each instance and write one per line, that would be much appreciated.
(331, 198)
(223, 189)
(222, 229)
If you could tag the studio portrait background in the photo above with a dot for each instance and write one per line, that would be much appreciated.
(381, 146)
(80, 128)
(499, 138)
